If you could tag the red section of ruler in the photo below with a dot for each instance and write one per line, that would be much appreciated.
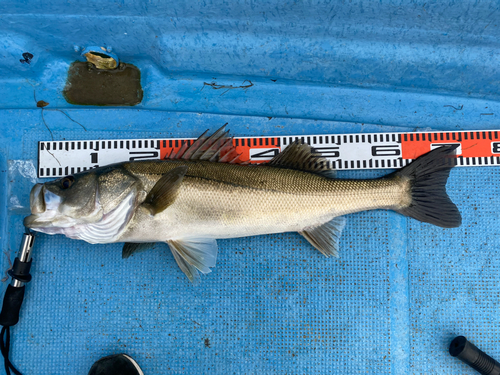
(472, 144)
(266, 148)
(167, 147)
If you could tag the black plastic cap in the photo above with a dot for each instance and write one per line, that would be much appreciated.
(468, 353)
(117, 364)
(21, 271)
(457, 346)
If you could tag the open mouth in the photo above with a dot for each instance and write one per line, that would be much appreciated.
(37, 202)
(31, 222)
(43, 206)
(37, 206)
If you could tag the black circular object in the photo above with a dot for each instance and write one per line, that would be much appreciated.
(118, 364)
(468, 353)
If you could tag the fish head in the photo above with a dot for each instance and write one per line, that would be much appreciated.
(64, 202)
(70, 204)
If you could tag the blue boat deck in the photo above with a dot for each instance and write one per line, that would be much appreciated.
(400, 290)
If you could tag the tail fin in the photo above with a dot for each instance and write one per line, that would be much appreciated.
(428, 175)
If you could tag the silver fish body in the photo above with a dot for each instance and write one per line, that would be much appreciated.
(226, 200)
(189, 203)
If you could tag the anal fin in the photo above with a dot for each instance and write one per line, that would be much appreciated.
(326, 237)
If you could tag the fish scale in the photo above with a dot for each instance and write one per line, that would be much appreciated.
(243, 201)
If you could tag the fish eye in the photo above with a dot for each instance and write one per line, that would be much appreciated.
(66, 182)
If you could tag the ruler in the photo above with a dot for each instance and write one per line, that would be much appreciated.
(343, 151)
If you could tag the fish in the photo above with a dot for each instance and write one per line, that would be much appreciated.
(205, 192)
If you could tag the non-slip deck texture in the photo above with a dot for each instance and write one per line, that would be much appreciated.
(391, 303)
(399, 292)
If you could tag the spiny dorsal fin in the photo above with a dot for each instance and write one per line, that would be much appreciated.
(326, 237)
(216, 148)
(165, 191)
(301, 156)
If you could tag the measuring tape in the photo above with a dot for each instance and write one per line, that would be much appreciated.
(343, 151)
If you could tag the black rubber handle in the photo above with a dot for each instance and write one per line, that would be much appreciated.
(12, 302)
(468, 353)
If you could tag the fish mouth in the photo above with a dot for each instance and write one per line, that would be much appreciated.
(40, 212)
(37, 207)
(32, 223)
(38, 224)
(37, 201)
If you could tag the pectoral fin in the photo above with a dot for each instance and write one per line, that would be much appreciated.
(165, 191)
(130, 248)
(326, 237)
(198, 253)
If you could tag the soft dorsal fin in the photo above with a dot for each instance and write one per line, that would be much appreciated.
(326, 237)
(300, 156)
(165, 191)
(217, 148)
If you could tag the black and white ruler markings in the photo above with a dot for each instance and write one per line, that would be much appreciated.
(344, 151)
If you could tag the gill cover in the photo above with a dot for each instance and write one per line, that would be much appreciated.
(94, 206)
